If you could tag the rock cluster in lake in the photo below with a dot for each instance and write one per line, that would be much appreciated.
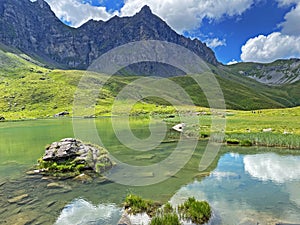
(71, 157)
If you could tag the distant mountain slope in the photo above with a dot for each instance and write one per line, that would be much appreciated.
(30, 90)
(275, 73)
(34, 29)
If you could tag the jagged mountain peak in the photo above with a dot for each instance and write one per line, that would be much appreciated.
(146, 10)
(40, 34)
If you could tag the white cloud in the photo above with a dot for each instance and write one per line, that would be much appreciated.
(278, 45)
(269, 48)
(215, 42)
(232, 62)
(291, 24)
(283, 3)
(180, 16)
(77, 13)
(271, 167)
(188, 15)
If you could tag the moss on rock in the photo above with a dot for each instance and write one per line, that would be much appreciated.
(71, 157)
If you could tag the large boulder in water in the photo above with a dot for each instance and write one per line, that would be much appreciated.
(71, 156)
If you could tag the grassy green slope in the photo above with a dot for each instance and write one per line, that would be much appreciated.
(28, 90)
(287, 95)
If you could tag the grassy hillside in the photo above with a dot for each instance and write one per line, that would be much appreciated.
(28, 90)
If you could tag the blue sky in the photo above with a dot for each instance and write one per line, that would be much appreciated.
(237, 30)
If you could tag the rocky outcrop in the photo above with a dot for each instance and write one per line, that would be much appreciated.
(285, 71)
(34, 29)
(72, 157)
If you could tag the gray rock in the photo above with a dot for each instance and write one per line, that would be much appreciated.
(60, 114)
(92, 157)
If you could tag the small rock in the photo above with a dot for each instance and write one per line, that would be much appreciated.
(51, 204)
(2, 183)
(27, 201)
(20, 219)
(267, 130)
(33, 172)
(83, 178)
(18, 198)
(55, 186)
(179, 127)
(64, 113)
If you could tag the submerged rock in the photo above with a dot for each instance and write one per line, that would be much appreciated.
(22, 218)
(17, 198)
(55, 186)
(83, 178)
(70, 157)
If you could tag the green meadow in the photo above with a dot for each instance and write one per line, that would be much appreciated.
(29, 90)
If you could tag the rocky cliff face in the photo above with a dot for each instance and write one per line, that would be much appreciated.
(34, 29)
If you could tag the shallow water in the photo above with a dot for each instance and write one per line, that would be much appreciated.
(251, 189)
(243, 188)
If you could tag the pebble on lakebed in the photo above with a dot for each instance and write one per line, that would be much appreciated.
(71, 158)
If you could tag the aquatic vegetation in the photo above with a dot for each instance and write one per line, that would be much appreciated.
(135, 204)
(67, 168)
(166, 219)
(291, 141)
(198, 212)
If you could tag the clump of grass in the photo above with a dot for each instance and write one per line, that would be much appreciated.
(166, 216)
(246, 143)
(291, 141)
(135, 204)
(199, 212)
(166, 219)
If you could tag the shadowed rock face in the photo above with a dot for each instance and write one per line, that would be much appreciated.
(34, 29)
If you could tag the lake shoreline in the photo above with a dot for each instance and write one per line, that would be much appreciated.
(264, 139)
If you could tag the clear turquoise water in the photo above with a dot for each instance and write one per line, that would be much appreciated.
(250, 186)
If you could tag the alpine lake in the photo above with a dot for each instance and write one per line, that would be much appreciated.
(244, 185)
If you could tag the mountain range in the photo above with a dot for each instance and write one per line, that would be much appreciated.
(31, 35)
(35, 30)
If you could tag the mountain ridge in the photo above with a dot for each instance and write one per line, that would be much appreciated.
(34, 29)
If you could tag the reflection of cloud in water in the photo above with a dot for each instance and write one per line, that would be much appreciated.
(191, 190)
(294, 189)
(225, 211)
(83, 212)
(219, 175)
(273, 167)
(234, 155)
